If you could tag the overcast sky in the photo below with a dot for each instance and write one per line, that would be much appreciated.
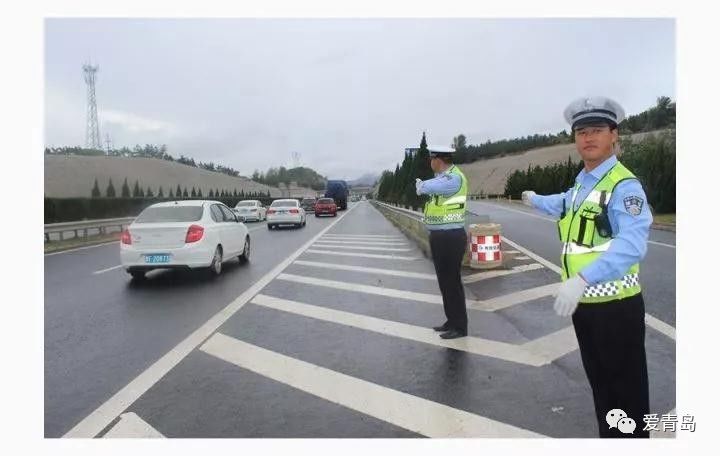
(348, 95)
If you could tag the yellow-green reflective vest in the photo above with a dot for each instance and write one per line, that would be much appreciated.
(442, 210)
(583, 243)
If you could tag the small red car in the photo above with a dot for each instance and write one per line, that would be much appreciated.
(325, 206)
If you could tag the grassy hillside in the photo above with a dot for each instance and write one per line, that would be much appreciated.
(489, 176)
(73, 176)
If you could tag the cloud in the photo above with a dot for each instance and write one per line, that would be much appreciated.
(134, 123)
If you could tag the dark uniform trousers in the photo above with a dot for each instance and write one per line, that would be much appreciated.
(611, 337)
(448, 249)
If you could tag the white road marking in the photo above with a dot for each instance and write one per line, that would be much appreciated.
(485, 347)
(108, 269)
(529, 214)
(367, 289)
(522, 258)
(345, 267)
(660, 325)
(357, 247)
(650, 320)
(96, 421)
(372, 236)
(410, 412)
(548, 264)
(132, 426)
(553, 220)
(511, 251)
(325, 240)
(672, 246)
(82, 248)
(511, 299)
(554, 345)
(472, 278)
(489, 305)
(364, 255)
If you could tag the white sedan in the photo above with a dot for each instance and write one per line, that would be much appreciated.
(251, 210)
(194, 234)
(285, 212)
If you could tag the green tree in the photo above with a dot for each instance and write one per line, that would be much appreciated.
(149, 193)
(110, 191)
(178, 192)
(192, 193)
(160, 192)
(199, 193)
(96, 189)
(125, 192)
(185, 192)
(136, 190)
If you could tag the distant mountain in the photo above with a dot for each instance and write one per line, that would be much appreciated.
(366, 180)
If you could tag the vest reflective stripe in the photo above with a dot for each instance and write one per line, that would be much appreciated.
(593, 197)
(583, 244)
(442, 210)
(571, 248)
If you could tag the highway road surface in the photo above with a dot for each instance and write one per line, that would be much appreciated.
(326, 333)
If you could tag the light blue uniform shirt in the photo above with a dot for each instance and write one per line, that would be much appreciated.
(443, 184)
(630, 231)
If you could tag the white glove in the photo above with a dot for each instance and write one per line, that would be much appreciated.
(418, 185)
(568, 296)
(527, 197)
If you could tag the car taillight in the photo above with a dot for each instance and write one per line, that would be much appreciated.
(271, 211)
(125, 237)
(294, 211)
(194, 234)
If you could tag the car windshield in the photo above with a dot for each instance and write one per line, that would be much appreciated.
(284, 203)
(308, 200)
(245, 204)
(326, 201)
(160, 214)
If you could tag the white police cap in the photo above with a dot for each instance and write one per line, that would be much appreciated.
(440, 150)
(589, 110)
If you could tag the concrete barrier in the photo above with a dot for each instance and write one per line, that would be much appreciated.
(410, 223)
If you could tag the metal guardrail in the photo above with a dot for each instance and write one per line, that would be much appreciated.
(101, 225)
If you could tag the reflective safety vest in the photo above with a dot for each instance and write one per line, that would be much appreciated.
(442, 210)
(586, 234)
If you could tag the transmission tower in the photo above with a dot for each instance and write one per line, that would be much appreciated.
(92, 130)
(295, 159)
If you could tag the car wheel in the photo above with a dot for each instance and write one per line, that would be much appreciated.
(216, 265)
(317, 215)
(270, 227)
(245, 256)
(137, 274)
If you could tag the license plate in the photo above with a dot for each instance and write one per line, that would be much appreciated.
(154, 259)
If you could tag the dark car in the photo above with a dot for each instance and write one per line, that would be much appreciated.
(308, 204)
(325, 206)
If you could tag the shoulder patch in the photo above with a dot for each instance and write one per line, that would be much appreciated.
(633, 205)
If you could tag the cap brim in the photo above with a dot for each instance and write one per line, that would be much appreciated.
(593, 122)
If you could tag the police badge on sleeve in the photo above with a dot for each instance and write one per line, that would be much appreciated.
(633, 205)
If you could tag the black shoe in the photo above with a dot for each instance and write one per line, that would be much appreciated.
(443, 328)
(453, 334)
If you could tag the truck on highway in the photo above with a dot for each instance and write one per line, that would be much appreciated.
(338, 190)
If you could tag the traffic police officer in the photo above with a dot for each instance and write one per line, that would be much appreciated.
(604, 222)
(444, 216)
